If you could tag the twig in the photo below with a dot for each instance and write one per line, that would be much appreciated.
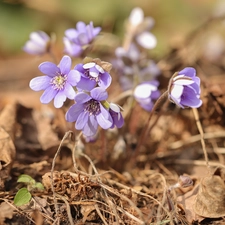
(52, 171)
(67, 208)
(196, 115)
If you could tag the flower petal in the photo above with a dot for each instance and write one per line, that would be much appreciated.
(188, 71)
(90, 127)
(49, 68)
(69, 91)
(59, 99)
(104, 118)
(40, 83)
(99, 94)
(82, 120)
(65, 64)
(105, 80)
(147, 40)
(73, 77)
(136, 16)
(82, 97)
(48, 95)
(74, 111)
(86, 84)
(177, 91)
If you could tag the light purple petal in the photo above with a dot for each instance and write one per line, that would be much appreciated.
(39, 38)
(71, 33)
(105, 80)
(73, 77)
(32, 48)
(90, 127)
(40, 83)
(81, 26)
(99, 94)
(49, 68)
(104, 118)
(82, 97)
(86, 84)
(65, 64)
(71, 48)
(188, 71)
(74, 111)
(48, 95)
(69, 91)
(82, 39)
(82, 120)
(59, 99)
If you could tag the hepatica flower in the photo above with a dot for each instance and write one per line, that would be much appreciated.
(88, 112)
(184, 89)
(139, 27)
(75, 39)
(38, 44)
(93, 72)
(115, 112)
(146, 93)
(57, 83)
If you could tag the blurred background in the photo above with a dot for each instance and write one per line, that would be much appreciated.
(174, 19)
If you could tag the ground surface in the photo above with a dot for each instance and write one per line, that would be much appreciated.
(98, 183)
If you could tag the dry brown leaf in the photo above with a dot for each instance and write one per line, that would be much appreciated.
(46, 136)
(187, 201)
(7, 148)
(6, 211)
(210, 200)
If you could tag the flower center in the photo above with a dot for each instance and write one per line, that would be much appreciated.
(92, 106)
(58, 82)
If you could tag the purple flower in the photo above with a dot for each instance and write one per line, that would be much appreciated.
(38, 44)
(116, 115)
(130, 66)
(145, 93)
(88, 112)
(92, 74)
(184, 89)
(75, 39)
(58, 82)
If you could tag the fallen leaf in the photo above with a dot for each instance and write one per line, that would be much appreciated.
(6, 211)
(210, 200)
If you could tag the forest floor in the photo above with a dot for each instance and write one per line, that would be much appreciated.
(98, 183)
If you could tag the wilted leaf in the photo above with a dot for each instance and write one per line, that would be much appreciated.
(22, 197)
(210, 200)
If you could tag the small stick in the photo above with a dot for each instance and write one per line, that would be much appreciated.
(199, 126)
(52, 170)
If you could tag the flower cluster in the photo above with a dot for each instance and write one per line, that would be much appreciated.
(134, 69)
(90, 80)
(87, 82)
(76, 39)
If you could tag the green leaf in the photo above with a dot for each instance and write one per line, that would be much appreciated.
(25, 179)
(39, 186)
(22, 197)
